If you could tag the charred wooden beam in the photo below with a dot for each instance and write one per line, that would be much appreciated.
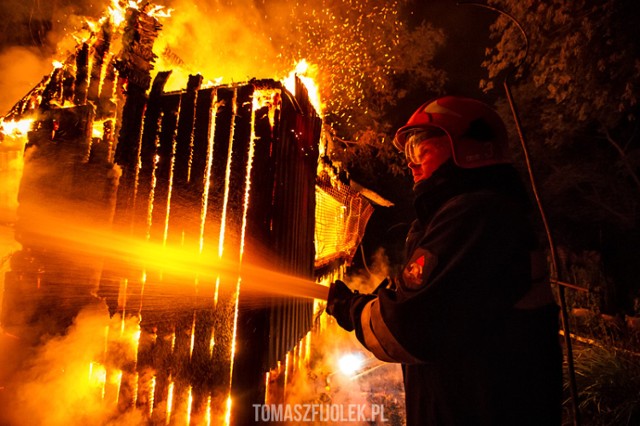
(223, 144)
(135, 60)
(184, 148)
(100, 51)
(67, 86)
(81, 82)
(170, 105)
(106, 105)
(183, 158)
(53, 90)
(150, 141)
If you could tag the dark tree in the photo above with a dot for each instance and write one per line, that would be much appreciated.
(576, 88)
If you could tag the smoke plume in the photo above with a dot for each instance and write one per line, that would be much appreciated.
(67, 380)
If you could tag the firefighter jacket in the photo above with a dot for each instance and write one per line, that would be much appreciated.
(471, 318)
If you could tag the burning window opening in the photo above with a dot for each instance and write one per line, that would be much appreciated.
(230, 169)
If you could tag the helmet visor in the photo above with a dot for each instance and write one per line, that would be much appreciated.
(415, 137)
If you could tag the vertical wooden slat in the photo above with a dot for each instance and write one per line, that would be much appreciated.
(170, 106)
(183, 159)
(100, 51)
(82, 75)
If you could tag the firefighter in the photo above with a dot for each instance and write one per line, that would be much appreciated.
(471, 318)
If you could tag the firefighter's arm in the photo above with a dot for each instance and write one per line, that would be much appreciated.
(361, 312)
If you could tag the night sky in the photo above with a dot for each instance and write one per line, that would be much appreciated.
(467, 31)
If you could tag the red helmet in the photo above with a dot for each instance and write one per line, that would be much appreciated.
(476, 131)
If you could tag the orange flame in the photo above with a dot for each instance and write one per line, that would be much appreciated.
(16, 128)
(152, 394)
(170, 401)
(117, 10)
(307, 74)
(98, 376)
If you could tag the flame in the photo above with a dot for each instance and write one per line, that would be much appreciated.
(216, 293)
(307, 74)
(150, 204)
(16, 128)
(208, 412)
(98, 376)
(93, 26)
(122, 302)
(189, 404)
(247, 183)
(143, 282)
(152, 394)
(116, 13)
(165, 233)
(169, 401)
(266, 388)
(299, 355)
(136, 386)
(227, 178)
(307, 350)
(135, 337)
(286, 373)
(158, 11)
(173, 341)
(118, 380)
(266, 98)
(207, 177)
(117, 10)
(97, 130)
(227, 416)
(193, 335)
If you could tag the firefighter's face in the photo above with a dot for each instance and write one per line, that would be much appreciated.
(425, 154)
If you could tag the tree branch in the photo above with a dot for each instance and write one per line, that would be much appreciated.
(624, 158)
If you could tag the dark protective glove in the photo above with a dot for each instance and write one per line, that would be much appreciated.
(346, 305)
(339, 303)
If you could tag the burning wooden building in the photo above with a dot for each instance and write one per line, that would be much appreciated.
(227, 174)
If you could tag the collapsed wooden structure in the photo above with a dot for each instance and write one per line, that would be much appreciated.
(231, 166)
